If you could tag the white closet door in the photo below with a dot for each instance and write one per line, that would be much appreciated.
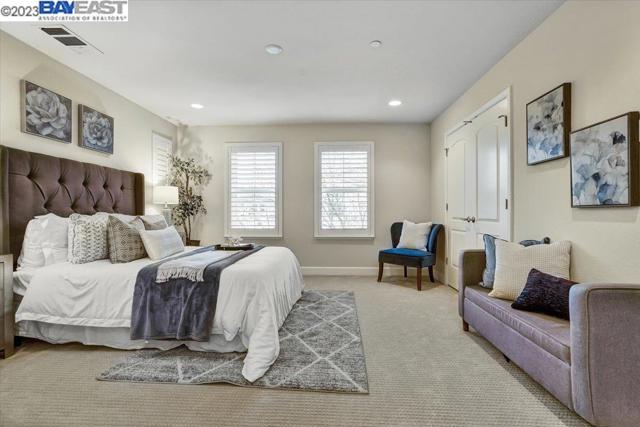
(478, 177)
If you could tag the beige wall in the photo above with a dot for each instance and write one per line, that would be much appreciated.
(596, 46)
(133, 124)
(401, 188)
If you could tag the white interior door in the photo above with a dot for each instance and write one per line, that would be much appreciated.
(478, 181)
(460, 174)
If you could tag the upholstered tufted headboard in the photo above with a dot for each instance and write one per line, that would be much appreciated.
(35, 184)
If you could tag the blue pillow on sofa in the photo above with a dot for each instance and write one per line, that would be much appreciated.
(489, 273)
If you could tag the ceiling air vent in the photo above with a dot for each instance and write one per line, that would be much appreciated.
(70, 39)
(55, 31)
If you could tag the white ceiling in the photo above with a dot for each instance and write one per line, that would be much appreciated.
(174, 53)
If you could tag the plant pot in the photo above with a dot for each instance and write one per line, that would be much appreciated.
(193, 242)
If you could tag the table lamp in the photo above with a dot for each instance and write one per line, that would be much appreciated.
(166, 195)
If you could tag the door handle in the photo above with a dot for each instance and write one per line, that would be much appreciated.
(473, 219)
(468, 219)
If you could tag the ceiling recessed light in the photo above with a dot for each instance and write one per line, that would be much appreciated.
(375, 43)
(395, 103)
(197, 106)
(273, 49)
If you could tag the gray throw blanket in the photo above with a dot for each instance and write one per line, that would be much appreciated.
(179, 309)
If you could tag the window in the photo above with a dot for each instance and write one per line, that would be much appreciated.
(162, 148)
(253, 203)
(344, 189)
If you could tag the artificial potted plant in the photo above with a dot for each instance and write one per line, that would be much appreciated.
(189, 178)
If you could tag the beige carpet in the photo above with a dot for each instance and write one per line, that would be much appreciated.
(423, 370)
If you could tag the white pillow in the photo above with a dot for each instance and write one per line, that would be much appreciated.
(88, 238)
(414, 236)
(45, 242)
(161, 243)
(514, 262)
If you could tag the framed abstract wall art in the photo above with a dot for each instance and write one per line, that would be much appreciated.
(95, 130)
(45, 113)
(604, 163)
(548, 125)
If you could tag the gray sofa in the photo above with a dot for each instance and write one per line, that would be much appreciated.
(591, 364)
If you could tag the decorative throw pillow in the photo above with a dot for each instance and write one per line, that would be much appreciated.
(161, 243)
(514, 262)
(489, 272)
(123, 217)
(45, 242)
(545, 293)
(125, 243)
(414, 236)
(154, 222)
(88, 238)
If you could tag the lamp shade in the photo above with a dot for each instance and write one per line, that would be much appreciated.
(165, 194)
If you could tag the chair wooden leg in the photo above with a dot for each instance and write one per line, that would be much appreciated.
(405, 271)
(431, 273)
(419, 278)
(380, 268)
(465, 326)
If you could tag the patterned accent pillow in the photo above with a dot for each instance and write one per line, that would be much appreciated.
(88, 238)
(125, 244)
(545, 293)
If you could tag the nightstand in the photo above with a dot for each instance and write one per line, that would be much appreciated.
(6, 303)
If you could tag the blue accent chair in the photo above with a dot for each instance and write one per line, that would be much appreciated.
(410, 257)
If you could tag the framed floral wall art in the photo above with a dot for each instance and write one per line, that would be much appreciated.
(548, 125)
(45, 113)
(95, 130)
(604, 163)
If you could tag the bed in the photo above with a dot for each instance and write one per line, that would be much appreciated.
(91, 303)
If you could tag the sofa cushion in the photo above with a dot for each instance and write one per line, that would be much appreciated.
(550, 333)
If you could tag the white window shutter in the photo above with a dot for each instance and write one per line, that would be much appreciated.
(253, 196)
(162, 149)
(344, 189)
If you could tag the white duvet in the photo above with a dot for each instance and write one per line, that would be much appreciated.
(256, 294)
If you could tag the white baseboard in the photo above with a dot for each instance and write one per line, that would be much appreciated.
(357, 271)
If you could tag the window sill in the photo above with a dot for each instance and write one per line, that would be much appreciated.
(344, 236)
(255, 236)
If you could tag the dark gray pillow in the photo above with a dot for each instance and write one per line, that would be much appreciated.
(546, 294)
(489, 273)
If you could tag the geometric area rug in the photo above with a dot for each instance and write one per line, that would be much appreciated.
(320, 350)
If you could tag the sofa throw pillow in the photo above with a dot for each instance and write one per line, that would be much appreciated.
(490, 255)
(545, 293)
(161, 243)
(45, 242)
(88, 238)
(414, 236)
(125, 243)
(514, 262)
